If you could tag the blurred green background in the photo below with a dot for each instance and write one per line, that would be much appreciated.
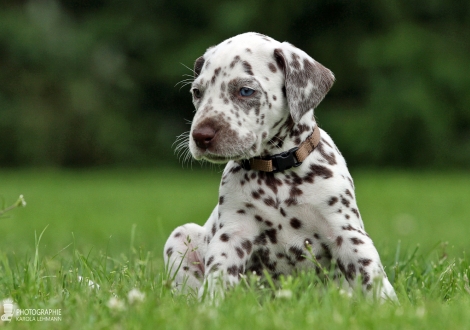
(92, 82)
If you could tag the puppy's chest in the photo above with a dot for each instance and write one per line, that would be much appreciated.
(278, 205)
(276, 214)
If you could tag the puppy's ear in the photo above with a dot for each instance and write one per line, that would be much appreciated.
(198, 66)
(306, 81)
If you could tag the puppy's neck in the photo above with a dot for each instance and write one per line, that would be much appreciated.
(289, 134)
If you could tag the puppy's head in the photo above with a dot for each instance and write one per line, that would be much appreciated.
(244, 89)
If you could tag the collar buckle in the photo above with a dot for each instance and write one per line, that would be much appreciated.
(285, 160)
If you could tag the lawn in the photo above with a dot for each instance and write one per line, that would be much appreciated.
(109, 226)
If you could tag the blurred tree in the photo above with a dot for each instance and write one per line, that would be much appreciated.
(93, 82)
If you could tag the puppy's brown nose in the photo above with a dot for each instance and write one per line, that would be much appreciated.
(203, 136)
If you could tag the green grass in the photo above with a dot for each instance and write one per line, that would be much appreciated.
(110, 227)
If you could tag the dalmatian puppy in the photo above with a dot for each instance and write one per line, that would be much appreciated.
(286, 195)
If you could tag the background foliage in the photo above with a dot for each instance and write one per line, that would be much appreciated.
(92, 82)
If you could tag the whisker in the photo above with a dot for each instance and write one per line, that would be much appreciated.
(183, 84)
(183, 81)
(186, 84)
(187, 67)
(182, 137)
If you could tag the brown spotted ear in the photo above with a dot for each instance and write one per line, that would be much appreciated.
(306, 81)
(198, 66)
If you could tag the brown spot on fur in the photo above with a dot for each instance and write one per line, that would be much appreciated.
(321, 171)
(332, 201)
(169, 252)
(355, 211)
(233, 270)
(364, 262)
(271, 233)
(326, 250)
(356, 241)
(365, 275)
(295, 223)
(246, 245)
(270, 180)
(290, 201)
(351, 272)
(236, 59)
(271, 202)
(260, 239)
(298, 253)
(272, 67)
(247, 67)
(329, 157)
(351, 182)
(339, 241)
(214, 228)
(294, 191)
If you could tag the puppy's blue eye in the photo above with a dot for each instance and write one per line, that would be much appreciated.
(245, 91)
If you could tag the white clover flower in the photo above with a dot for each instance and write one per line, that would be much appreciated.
(135, 296)
(346, 293)
(285, 294)
(21, 201)
(115, 304)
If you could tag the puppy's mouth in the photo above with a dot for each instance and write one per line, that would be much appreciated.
(220, 159)
(216, 156)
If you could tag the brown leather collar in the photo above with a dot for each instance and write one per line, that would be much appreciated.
(285, 160)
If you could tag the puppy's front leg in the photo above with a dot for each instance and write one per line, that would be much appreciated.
(355, 255)
(226, 257)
